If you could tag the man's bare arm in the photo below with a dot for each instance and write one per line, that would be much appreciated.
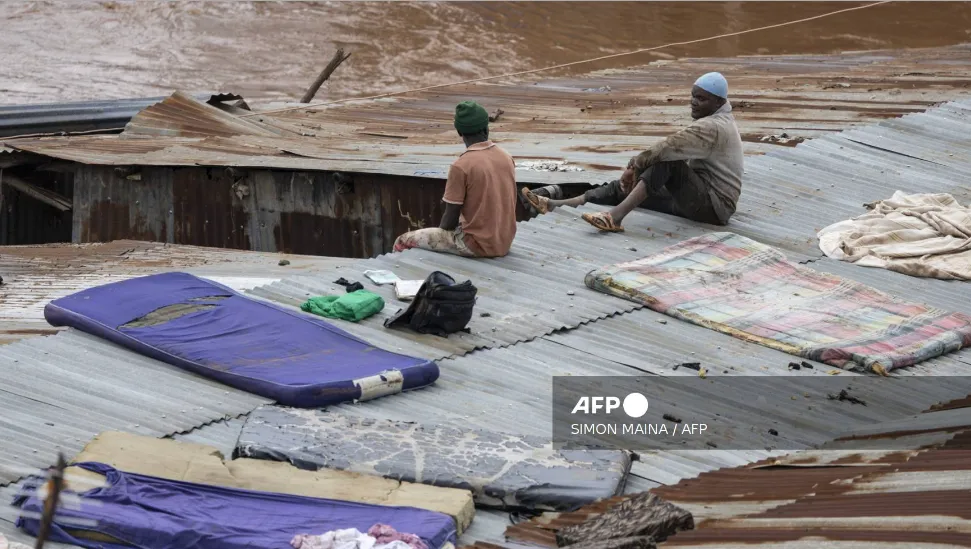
(450, 219)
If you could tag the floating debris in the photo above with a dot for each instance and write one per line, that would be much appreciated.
(781, 138)
(547, 166)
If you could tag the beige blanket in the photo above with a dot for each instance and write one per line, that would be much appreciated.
(926, 235)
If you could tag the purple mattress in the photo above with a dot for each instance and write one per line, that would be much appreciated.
(294, 358)
(154, 513)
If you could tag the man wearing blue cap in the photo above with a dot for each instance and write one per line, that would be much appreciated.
(695, 173)
(480, 196)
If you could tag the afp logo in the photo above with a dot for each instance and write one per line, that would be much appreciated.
(635, 405)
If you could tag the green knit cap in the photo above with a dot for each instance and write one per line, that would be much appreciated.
(470, 118)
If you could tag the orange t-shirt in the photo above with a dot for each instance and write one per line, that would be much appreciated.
(483, 181)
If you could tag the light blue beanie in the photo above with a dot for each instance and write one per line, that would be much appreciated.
(713, 83)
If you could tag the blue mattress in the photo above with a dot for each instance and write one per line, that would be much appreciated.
(293, 358)
(154, 513)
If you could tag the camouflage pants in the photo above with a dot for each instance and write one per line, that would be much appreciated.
(435, 240)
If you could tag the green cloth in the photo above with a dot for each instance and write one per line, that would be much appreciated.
(353, 306)
(470, 118)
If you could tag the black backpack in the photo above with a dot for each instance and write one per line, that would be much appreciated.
(441, 306)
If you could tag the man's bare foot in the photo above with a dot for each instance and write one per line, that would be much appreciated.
(540, 203)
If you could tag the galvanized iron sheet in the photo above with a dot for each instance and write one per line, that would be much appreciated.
(59, 392)
(912, 498)
(180, 114)
(535, 290)
(595, 122)
(35, 275)
(221, 435)
(920, 497)
(81, 116)
(789, 193)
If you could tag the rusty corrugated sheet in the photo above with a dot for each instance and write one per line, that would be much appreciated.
(922, 498)
(79, 117)
(272, 211)
(593, 122)
(183, 115)
(541, 530)
(35, 275)
(921, 495)
(952, 405)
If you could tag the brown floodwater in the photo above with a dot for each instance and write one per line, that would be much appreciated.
(63, 51)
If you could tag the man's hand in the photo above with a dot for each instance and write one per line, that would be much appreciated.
(627, 181)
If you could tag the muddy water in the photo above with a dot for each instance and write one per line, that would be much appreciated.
(61, 51)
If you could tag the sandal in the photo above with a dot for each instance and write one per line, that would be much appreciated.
(602, 221)
(540, 203)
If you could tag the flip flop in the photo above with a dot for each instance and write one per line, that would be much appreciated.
(602, 221)
(540, 203)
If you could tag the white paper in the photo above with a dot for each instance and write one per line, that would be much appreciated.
(406, 290)
(381, 277)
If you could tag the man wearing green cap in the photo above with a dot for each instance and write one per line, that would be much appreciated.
(480, 196)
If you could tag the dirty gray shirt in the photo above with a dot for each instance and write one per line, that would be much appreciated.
(713, 148)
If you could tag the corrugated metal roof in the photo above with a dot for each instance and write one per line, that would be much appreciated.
(916, 496)
(787, 196)
(82, 116)
(595, 122)
(61, 391)
(35, 275)
(508, 387)
(524, 294)
(182, 115)
(221, 435)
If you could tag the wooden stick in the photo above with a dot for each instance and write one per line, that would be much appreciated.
(56, 484)
(47, 197)
(335, 62)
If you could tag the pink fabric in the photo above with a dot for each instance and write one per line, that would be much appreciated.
(387, 534)
(379, 536)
